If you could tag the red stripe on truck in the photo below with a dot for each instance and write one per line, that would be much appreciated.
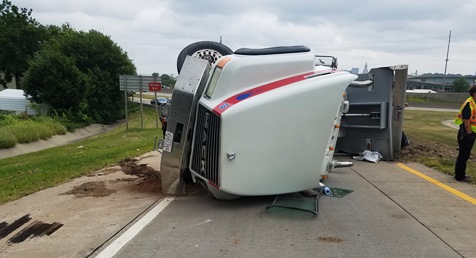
(229, 102)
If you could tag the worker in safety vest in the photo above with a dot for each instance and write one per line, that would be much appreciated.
(466, 134)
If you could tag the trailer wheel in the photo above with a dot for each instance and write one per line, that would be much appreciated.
(208, 50)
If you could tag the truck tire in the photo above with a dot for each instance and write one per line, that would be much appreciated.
(208, 50)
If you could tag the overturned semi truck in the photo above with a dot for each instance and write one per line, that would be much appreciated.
(257, 121)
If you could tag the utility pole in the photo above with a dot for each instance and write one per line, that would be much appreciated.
(446, 63)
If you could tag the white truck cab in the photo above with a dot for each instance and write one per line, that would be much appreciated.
(266, 123)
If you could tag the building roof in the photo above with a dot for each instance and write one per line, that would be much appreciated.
(12, 94)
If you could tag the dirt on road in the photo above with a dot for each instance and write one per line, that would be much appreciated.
(419, 149)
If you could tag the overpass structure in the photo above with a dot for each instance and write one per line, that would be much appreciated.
(437, 82)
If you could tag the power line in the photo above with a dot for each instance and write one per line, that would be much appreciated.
(447, 54)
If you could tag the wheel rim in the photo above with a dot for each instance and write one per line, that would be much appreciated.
(208, 54)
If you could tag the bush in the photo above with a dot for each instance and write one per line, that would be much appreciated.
(7, 119)
(46, 129)
(7, 139)
(25, 129)
(49, 125)
(70, 120)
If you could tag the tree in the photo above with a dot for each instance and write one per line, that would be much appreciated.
(59, 82)
(93, 63)
(20, 37)
(460, 85)
(168, 80)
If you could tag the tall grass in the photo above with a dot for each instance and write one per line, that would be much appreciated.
(419, 99)
(7, 139)
(24, 129)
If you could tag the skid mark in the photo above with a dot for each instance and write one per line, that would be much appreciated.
(35, 229)
(9, 228)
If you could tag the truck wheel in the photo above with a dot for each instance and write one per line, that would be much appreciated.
(208, 50)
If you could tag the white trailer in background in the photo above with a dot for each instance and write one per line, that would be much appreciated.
(15, 100)
(420, 91)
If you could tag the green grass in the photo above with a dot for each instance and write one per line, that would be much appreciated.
(413, 99)
(28, 173)
(26, 129)
(427, 126)
(7, 139)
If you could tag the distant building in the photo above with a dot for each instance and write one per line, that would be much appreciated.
(420, 91)
(366, 70)
(14, 100)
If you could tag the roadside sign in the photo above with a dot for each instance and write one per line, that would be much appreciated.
(155, 86)
(136, 82)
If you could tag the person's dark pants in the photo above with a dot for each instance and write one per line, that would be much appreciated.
(164, 129)
(465, 143)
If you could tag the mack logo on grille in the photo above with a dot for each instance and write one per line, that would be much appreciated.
(205, 150)
(203, 163)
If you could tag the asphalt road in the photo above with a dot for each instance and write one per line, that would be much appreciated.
(390, 213)
(147, 100)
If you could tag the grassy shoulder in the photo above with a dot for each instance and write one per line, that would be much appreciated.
(28, 173)
(415, 99)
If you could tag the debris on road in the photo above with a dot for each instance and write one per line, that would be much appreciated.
(91, 189)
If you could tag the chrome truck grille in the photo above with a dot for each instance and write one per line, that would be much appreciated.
(206, 145)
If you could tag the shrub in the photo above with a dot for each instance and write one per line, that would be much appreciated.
(7, 119)
(24, 131)
(7, 139)
(48, 127)
(30, 129)
(23, 128)
(71, 120)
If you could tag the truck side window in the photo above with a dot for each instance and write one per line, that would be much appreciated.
(213, 82)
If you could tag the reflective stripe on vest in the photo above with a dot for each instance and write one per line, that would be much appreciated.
(472, 119)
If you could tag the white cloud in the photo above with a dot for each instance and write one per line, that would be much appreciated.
(379, 32)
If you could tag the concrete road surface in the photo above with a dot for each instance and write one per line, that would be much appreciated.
(395, 210)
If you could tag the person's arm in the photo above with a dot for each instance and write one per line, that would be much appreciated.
(466, 115)
(467, 126)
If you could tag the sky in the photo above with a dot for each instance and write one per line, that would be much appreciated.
(377, 32)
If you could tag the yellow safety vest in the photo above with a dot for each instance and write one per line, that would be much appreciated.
(472, 119)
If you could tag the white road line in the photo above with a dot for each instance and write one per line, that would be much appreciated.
(122, 240)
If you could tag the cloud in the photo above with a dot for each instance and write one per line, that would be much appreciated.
(379, 32)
